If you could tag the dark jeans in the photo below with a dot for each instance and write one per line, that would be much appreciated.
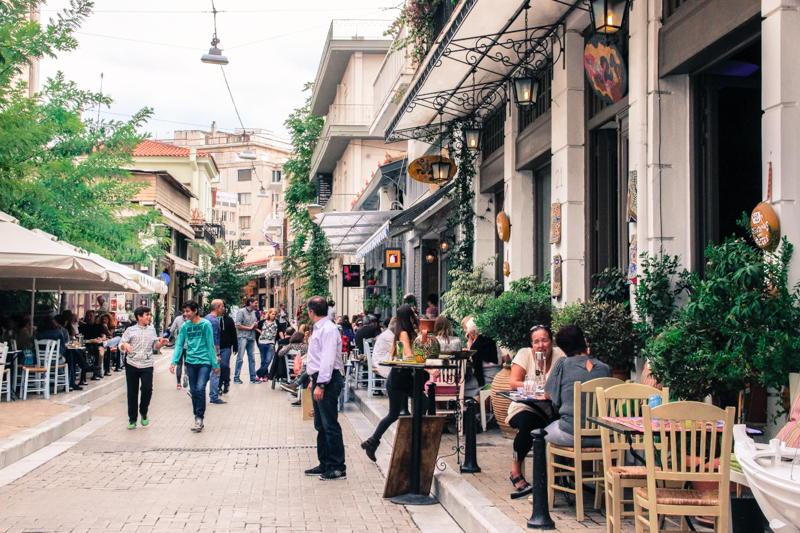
(525, 422)
(330, 445)
(399, 387)
(77, 359)
(225, 366)
(198, 379)
(133, 376)
(267, 353)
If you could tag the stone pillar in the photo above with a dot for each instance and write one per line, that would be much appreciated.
(485, 230)
(780, 125)
(568, 180)
(519, 204)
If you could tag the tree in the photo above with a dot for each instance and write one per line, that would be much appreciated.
(308, 255)
(58, 172)
(224, 274)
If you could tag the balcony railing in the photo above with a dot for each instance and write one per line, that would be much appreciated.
(349, 115)
(273, 220)
(358, 30)
(393, 67)
(206, 232)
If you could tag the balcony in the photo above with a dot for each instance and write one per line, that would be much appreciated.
(275, 186)
(393, 77)
(349, 115)
(206, 232)
(342, 123)
(273, 223)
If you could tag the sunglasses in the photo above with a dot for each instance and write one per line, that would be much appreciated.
(540, 326)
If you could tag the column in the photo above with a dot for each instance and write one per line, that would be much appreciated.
(568, 167)
(518, 204)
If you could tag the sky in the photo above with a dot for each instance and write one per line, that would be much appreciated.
(149, 54)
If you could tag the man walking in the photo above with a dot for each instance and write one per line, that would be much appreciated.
(324, 365)
(246, 321)
(227, 345)
(201, 358)
(138, 342)
(217, 308)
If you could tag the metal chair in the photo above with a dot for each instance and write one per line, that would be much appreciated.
(39, 374)
(5, 377)
(375, 382)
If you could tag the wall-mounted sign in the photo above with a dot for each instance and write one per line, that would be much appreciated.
(393, 259)
(605, 69)
(503, 226)
(555, 223)
(556, 292)
(422, 169)
(765, 227)
(632, 196)
(324, 188)
(351, 276)
(633, 261)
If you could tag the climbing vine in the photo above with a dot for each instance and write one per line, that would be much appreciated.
(462, 214)
(417, 17)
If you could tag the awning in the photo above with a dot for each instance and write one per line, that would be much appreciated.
(182, 265)
(177, 223)
(388, 174)
(348, 231)
(485, 37)
(380, 235)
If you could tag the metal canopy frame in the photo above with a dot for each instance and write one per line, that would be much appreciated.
(533, 51)
(348, 230)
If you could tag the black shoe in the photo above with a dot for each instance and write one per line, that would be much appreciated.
(297, 403)
(369, 446)
(107, 374)
(332, 475)
(83, 383)
(95, 378)
(76, 387)
(217, 402)
(237, 380)
(316, 471)
(225, 389)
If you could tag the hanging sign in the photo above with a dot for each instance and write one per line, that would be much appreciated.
(765, 227)
(393, 259)
(556, 292)
(351, 276)
(506, 267)
(503, 226)
(422, 169)
(605, 69)
(555, 223)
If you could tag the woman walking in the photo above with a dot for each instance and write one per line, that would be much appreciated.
(266, 343)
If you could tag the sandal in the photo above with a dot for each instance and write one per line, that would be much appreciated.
(524, 490)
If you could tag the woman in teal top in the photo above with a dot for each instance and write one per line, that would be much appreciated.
(201, 358)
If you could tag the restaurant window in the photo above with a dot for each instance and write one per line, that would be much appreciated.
(261, 243)
(494, 132)
(244, 222)
(245, 174)
(244, 198)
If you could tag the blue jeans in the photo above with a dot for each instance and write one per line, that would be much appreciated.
(225, 365)
(198, 379)
(213, 388)
(330, 445)
(249, 345)
(267, 353)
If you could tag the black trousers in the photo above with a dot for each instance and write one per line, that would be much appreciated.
(399, 387)
(134, 376)
(525, 422)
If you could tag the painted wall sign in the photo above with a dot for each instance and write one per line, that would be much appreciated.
(421, 169)
(632, 196)
(605, 69)
(555, 223)
(765, 227)
(503, 226)
(557, 289)
(393, 259)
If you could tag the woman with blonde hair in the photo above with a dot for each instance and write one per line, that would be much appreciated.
(268, 333)
(443, 331)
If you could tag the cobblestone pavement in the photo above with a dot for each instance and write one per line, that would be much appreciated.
(243, 473)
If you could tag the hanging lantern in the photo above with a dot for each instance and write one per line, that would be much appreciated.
(441, 170)
(472, 136)
(608, 16)
(526, 89)
(443, 246)
(430, 258)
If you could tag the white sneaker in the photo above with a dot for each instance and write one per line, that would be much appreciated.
(197, 427)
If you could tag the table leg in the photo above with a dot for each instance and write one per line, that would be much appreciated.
(414, 497)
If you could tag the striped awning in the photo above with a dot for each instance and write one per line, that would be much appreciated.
(380, 235)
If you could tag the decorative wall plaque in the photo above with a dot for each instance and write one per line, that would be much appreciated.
(421, 169)
(765, 227)
(632, 196)
(605, 69)
(503, 226)
(555, 223)
(556, 276)
(632, 261)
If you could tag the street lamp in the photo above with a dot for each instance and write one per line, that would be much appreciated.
(247, 154)
(443, 246)
(262, 193)
(526, 88)
(214, 55)
(472, 136)
(441, 170)
(430, 258)
(608, 16)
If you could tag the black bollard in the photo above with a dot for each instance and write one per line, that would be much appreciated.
(470, 465)
(540, 516)
(432, 399)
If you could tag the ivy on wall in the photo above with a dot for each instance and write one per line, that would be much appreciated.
(462, 214)
(417, 17)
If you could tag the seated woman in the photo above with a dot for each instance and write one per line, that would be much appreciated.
(443, 332)
(485, 362)
(297, 343)
(521, 417)
(578, 365)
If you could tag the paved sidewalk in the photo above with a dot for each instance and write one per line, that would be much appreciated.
(243, 473)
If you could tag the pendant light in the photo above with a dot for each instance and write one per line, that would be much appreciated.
(608, 16)
(247, 154)
(214, 55)
(526, 85)
(441, 166)
(473, 133)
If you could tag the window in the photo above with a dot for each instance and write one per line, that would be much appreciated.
(244, 222)
(244, 242)
(262, 243)
(244, 198)
(276, 176)
(245, 174)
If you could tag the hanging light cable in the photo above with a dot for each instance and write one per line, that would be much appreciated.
(214, 55)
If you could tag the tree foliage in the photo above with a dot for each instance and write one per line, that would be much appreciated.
(223, 274)
(58, 172)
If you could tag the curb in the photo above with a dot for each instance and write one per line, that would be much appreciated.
(30, 440)
(473, 511)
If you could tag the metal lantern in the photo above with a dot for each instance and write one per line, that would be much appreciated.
(443, 246)
(472, 136)
(430, 258)
(262, 193)
(608, 16)
(526, 89)
(441, 170)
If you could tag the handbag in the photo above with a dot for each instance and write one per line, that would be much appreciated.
(298, 364)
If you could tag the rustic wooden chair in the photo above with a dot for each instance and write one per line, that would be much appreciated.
(624, 400)
(689, 435)
(584, 395)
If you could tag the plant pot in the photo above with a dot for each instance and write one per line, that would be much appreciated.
(500, 404)
(372, 282)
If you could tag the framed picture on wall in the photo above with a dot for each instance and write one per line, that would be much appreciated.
(393, 260)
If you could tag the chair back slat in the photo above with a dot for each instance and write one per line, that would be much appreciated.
(585, 405)
(46, 352)
(3, 354)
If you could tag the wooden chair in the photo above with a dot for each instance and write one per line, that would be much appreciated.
(689, 437)
(5, 377)
(624, 400)
(36, 378)
(577, 453)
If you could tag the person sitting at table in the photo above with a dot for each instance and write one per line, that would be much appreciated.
(108, 324)
(75, 358)
(24, 333)
(91, 330)
(298, 344)
(578, 365)
(443, 331)
(521, 417)
(49, 329)
(485, 365)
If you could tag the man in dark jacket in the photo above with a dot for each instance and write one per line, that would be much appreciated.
(369, 331)
(227, 346)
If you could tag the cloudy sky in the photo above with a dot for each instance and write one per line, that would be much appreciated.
(149, 53)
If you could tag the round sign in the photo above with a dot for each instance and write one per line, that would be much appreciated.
(421, 169)
(605, 69)
(765, 227)
(503, 226)
(506, 269)
(165, 277)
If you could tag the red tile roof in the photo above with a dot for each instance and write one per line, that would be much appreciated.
(150, 148)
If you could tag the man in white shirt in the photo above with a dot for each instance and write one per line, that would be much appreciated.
(325, 366)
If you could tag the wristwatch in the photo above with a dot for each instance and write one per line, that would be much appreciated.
(321, 385)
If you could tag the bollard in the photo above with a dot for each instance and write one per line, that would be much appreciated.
(540, 516)
(470, 465)
(432, 399)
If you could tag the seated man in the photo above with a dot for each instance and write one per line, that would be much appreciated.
(91, 330)
(369, 330)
